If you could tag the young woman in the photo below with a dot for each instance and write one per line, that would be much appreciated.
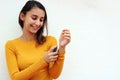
(32, 56)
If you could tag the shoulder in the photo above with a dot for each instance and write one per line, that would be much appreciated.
(51, 38)
(11, 42)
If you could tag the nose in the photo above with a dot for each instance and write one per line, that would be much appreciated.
(38, 23)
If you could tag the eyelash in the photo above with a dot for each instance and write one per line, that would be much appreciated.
(41, 20)
(36, 18)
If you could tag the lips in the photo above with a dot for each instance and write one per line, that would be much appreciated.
(35, 27)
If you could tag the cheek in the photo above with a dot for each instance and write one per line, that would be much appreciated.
(30, 22)
(42, 23)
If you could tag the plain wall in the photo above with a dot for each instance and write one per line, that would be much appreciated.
(94, 51)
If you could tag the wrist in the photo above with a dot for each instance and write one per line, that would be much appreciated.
(61, 49)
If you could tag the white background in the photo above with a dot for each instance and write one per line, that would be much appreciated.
(94, 51)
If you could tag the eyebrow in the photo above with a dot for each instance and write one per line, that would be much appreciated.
(37, 16)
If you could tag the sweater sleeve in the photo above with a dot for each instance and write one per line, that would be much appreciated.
(13, 68)
(55, 68)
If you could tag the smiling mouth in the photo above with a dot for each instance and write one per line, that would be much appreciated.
(35, 27)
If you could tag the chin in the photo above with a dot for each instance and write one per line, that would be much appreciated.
(33, 32)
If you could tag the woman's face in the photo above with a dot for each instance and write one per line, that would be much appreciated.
(33, 20)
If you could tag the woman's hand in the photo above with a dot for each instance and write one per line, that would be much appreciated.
(64, 38)
(51, 56)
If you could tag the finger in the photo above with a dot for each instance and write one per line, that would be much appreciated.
(53, 57)
(66, 31)
(52, 60)
(66, 35)
(52, 53)
(68, 38)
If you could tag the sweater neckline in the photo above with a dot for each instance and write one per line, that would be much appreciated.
(30, 41)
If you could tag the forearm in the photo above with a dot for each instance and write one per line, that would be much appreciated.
(29, 71)
(57, 67)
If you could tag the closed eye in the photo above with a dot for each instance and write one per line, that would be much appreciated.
(42, 19)
(34, 17)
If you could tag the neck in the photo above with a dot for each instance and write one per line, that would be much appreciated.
(28, 37)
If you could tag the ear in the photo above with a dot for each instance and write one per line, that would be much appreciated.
(22, 16)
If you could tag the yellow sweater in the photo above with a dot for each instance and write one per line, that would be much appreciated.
(25, 60)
